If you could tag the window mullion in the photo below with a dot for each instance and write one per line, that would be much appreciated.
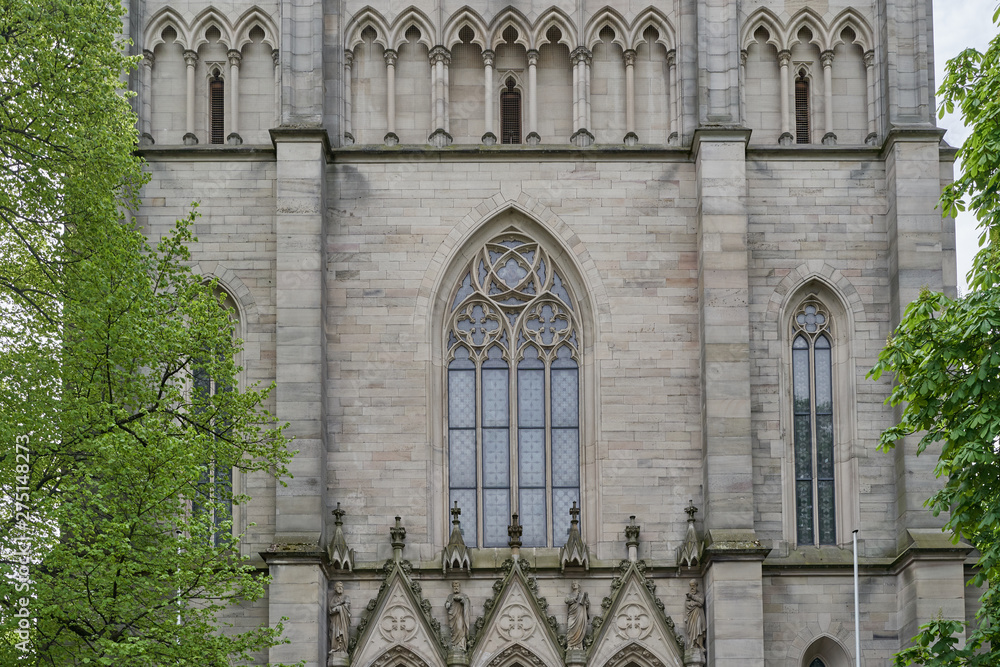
(547, 394)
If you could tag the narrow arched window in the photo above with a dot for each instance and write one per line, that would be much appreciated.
(510, 114)
(215, 488)
(802, 109)
(216, 109)
(513, 395)
(812, 398)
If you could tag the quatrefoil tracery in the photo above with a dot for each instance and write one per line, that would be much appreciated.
(811, 319)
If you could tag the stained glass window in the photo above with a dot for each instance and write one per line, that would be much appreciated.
(513, 395)
(812, 425)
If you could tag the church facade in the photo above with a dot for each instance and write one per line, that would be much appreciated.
(569, 309)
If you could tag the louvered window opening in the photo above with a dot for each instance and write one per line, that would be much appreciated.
(510, 115)
(217, 111)
(801, 111)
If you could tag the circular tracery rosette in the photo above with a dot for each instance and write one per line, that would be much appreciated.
(477, 324)
(811, 319)
(546, 323)
(512, 271)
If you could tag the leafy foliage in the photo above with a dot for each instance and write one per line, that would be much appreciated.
(115, 524)
(945, 356)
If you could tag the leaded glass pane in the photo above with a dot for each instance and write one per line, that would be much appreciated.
(496, 409)
(565, 401)
(559, 290)
(462, 459)
(824, 446)
(827, 530)
(562, 501)
(496, 516)
(531, 512)
(804, 511)
(496, 457)
(531, 458)
(803, 447)
(463, 291)
(824, 384)
(466, 499)
(800, 379)
(565, 457)
(531, 398)
(461, 399)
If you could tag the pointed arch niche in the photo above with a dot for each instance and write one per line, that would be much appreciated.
(820, 468)
(513, 387)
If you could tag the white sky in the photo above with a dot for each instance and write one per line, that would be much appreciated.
(959, 24)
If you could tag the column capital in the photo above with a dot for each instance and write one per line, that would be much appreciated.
(826, 58)
(784, 57)
(743, 57)
(440, 54)
(390, 57)
(190, 57)
(488, 56)
(581, 54)
(235, 57)
(671, 57)
(629, 57)
(276, 57)
(869, 57)
(348, 57)
(532, 55)
(148, 58)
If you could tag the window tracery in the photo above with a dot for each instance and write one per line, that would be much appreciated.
(812, 400)
(513, 395)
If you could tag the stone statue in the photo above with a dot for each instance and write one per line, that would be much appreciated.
(339, 611)
(459, 616)
(578, 604)
(694, 613)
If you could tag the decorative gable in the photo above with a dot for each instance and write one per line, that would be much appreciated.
(634, 627)
(398, 627)
(516, 627)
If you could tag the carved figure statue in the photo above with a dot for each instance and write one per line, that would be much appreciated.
(694, 608)
(339, 610)
(459, 616)
(578, 603)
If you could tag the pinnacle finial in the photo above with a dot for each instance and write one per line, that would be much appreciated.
(456, 512)
(398, 535)
(690, 510)
(574, 514)
(339, 514)
(514, 531)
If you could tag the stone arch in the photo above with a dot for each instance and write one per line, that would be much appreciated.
(651, 17)
(255, 18)
(367, 18)
(827, 648)
(412, 18)
(766, 19)
(466, 17)
(230, 283)
(531, 218)
(846, 451)
(807, 18)
(398, 656)
(210, 17)
(160, 21)
(634, 655)
(607, 18)
(516, 655)
(511, 18)
(555, 18)
(850, 18)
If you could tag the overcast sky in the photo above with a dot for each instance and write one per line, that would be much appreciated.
(959, 24)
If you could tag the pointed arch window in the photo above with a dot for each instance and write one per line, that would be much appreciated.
(812, 399)
(802, 108)
(216, 109)
(510, 113)
(513, 362)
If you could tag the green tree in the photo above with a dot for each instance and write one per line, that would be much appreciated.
(116, 546)
(945, 356)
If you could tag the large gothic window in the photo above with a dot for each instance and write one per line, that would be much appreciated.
(513, 395)
(812, 394)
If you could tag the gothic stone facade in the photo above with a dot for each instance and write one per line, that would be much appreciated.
(632, 257)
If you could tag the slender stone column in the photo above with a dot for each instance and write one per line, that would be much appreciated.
(190, 59)
(870, 75)
(533, 137)
(440, 58)
(673, 92)
(276, 59)
(786, 138)
(390, 98)
(447, 93)
(348, 62)
(630, 136)
(235, 58)
(576, 91)
(586, 89)
(743, 85)
(145, 109)
(488, 137)
(827, 58)
(581, 98)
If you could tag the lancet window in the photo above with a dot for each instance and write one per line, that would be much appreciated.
(513, 362)
(812, 399)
